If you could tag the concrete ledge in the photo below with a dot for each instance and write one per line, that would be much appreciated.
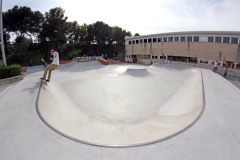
(83, 60)
(64, 62)
(105, 62)
(11, 80)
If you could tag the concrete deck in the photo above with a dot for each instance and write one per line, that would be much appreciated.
(23, 135)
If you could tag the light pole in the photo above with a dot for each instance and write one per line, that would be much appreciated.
(2, 42)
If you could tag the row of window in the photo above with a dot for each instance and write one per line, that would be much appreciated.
(233, 40)
(148, 56)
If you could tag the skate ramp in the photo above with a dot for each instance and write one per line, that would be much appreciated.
(123, 105)
(137, 72)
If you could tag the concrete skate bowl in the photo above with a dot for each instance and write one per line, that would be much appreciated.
(136, 106)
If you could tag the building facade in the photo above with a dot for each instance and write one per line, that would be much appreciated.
(193, 47)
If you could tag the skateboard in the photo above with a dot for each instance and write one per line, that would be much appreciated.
(44, 81)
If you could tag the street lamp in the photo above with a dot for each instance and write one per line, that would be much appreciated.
(2, 42)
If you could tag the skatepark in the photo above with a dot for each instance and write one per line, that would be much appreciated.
(121, 111)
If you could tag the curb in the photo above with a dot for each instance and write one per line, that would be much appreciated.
(105, 62)
(11, 80)
(64, 62)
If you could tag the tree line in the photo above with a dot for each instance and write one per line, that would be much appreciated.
(36, 33)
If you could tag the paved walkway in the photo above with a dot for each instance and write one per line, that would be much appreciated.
(3, 87)
(215, 136)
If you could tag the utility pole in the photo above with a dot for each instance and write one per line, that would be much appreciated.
(151, 54)
(2, 41)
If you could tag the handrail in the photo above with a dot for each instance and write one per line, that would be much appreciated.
(229, 73)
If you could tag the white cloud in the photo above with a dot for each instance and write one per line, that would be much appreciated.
(147, 17)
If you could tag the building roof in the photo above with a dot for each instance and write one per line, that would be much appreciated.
(186, 33)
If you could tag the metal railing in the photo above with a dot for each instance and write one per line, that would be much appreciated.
(230, 73)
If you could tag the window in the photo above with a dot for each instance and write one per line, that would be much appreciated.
(164, 39)
(204, 61)
(129, 42)
(226, 39)
(203, 39)
(234, 40)
(137, 41)
(182, 39)
(176, 39)
(159, 39)
(210, 39)
(141, 41)
(149, 40)
(162, 57)
(154, 57)
(189, 38)
(145, 40)
(133, 42)
(170, 39)
(218, 39)
(196, 39)
(154, 39)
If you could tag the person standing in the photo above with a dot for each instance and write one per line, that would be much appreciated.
(48, 70)
(30, 62)
(225, 73)
(215, 66)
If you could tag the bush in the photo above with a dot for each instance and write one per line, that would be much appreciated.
(24, 58)
(72, 54)
(4, 73)
(36, 58)
(14, 70)
(10, 71)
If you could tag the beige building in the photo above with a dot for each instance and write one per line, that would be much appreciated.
(193, 47)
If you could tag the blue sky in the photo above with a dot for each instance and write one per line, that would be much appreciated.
(146, 17)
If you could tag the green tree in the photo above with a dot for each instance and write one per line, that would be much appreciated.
(22, 21)
(102, 33)
(136, 34)
(90, 37)
(73, 32)
(119, 34)
(83, 34)
(54, 28)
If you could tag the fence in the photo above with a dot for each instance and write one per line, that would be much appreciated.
(230, 73)
(233, 74)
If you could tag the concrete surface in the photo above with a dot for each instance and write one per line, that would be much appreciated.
(11, 80)
(24, 136)
(132, 105)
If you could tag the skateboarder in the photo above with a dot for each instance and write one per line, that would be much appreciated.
(48, 70)
(215, 66)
